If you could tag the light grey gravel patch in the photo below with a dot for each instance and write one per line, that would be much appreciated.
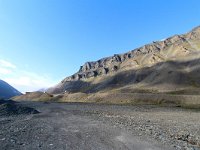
(134, 143)
(96, 127)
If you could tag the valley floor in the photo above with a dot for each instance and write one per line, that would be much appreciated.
(76, 126)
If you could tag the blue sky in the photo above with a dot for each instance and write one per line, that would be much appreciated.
(43, 41)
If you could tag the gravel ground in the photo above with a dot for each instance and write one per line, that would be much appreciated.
(77, 126)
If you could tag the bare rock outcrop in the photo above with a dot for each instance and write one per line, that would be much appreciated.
(178, 48)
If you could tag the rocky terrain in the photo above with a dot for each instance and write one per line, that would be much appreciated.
(77, 126)
(169, 65)
(10, 108)
(7, 91)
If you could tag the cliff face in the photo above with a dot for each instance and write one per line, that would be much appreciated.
(176, 48)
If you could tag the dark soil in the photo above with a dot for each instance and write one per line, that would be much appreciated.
(9, 107)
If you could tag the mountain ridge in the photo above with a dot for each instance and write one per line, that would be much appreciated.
(148, 48)
(176, 48)
(7, 91)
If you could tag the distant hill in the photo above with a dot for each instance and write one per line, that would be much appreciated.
(169, 65)
(7, 91)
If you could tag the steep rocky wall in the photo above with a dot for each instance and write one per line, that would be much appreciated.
(112, 64)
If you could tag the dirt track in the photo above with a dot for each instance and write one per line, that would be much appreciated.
(90, 126)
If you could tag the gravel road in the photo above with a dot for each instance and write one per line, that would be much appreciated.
(75, 126)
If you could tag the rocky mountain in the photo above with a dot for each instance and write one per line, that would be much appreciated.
(161, 66)
(7, 91)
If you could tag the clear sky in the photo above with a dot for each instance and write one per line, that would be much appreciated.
(43, 41)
